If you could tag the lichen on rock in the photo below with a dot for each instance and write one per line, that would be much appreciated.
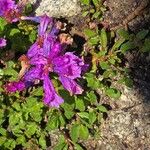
(57, 8)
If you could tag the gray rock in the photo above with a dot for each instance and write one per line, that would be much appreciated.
(135, 13)
(57, 8)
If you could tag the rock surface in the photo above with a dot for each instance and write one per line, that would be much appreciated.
(57, 8)
(135, 12)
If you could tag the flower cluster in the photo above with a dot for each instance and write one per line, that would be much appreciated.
(45, 56)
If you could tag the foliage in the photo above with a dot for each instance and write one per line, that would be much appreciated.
(107, 66)
(25, 123)
(93, 8)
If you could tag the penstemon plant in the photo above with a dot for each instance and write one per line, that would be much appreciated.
(25, 121)
(47, 90)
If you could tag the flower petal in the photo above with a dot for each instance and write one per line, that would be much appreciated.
(44, 22)
(6, 5)
(15, 86)
(70, 85)
(68, 65)
(2, 42)
(50, 97)
(34, 73)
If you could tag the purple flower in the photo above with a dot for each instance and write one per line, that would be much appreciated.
(44, 23)
(70, 85)
(34, 73)
(11, 11)
(2, 42)
(68, 65)
(6, 5)
(50, 97)
(15, 86)
(46, 55)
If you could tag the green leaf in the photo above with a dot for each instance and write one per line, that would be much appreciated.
(65, 147)
(83, 115)
(95, 2)
(89, 33)
(83, 132)
(16, 105)
(28, 8)
(61, 143)
(32, 36)
(113, 93)
(3, 131)
(118, 44)
(123, 33)
(14, 31)
(31, 129)
(92, 81)
(2, 140)
(142, 34)
(104, 65)
(102, 108)
(60, 146)
(10, 72)
(92, 117)
(69, 114)
(78, 147)
(102, 53)
(42, 141)
(97, 14)
(62, 120)
(85, 13)
(103, 38)
(36, 116)
(10, 144)
(74, 132)
(92, 97)
(146, 46)
(129, 82)
(79, 104)
(93, 41)
(109, 74)
(53, 122)
(3, 23)
(14, 118)
(21, 140)
(85, 2)
(127, 46)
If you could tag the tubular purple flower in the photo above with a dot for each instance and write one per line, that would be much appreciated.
(47, 45)
(57, 50)
(70, 85)
(35, 19)
(11, 11)
(44, 23)
(34, 73)
(15, 86)
(6, 5)
(39, 60)
(46, 55)
(2, 42)
(34, 50)
(50, 97)
(68, 65)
